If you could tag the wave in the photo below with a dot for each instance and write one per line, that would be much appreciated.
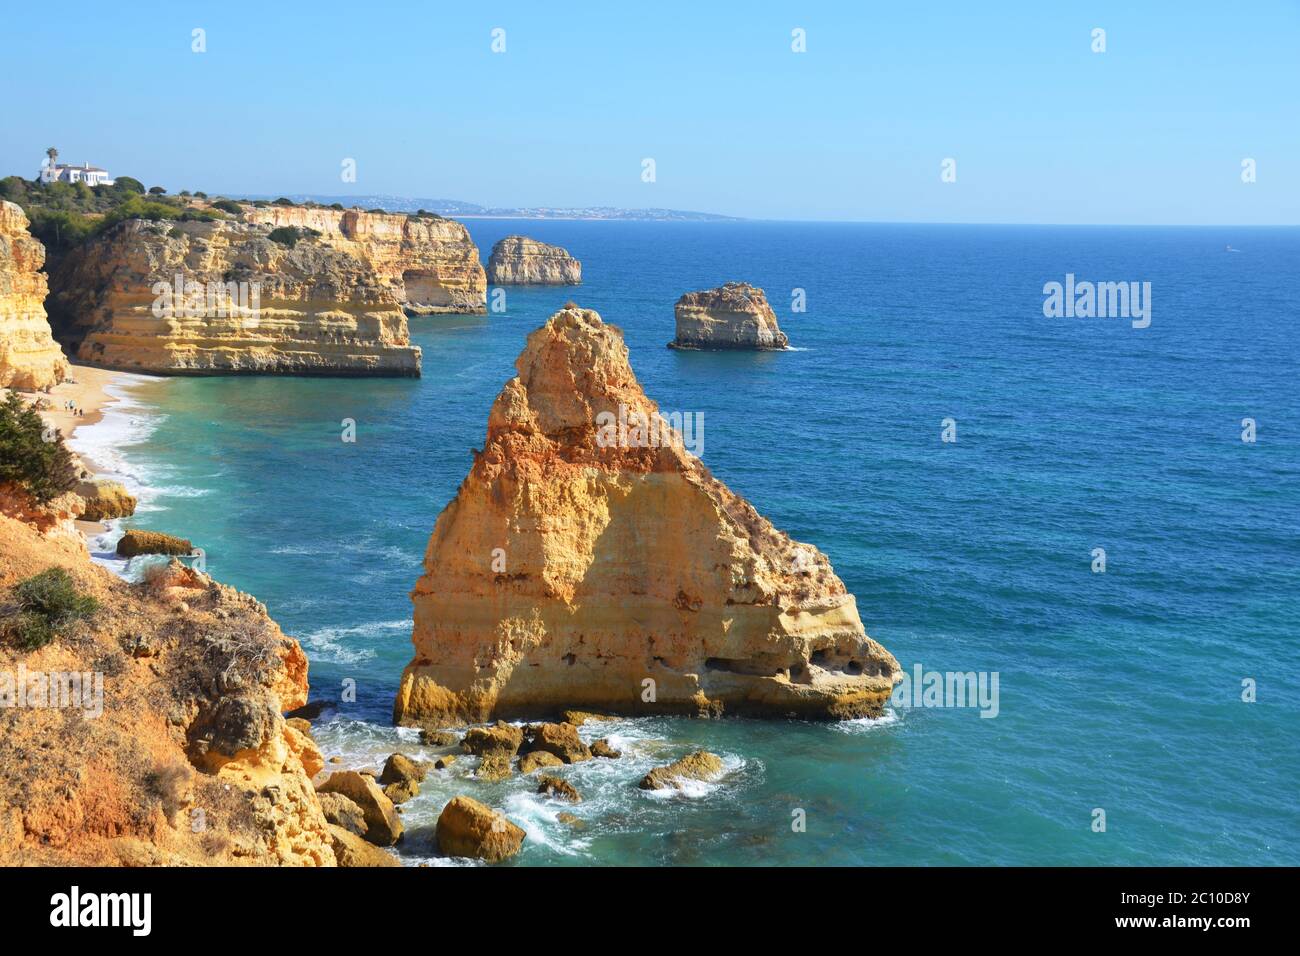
(334, 644)
(864, 725)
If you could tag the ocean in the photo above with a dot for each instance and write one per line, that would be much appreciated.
(1120, 692)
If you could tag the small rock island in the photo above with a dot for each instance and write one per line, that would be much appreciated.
(518, 260)
(734, 316)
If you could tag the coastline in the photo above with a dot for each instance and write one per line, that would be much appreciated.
(96, 392)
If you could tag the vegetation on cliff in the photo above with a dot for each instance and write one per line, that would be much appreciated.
(41, 606)
(34, 459)
(64, 215)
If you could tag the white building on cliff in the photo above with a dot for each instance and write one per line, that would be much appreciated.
(53, 171)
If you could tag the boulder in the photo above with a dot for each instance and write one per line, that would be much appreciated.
(580, 717)
(500, 738)
(136, 542)
(439, 738)
(401, 791)
(555, 787)
(700, 765)
(602, 748)
(400, 768)
(383, 828)
(445, 761)
(538, 758)
(105, 500)
(562, 740)
(342, 812)
(494, 766)
(470, 829)
(352, 851)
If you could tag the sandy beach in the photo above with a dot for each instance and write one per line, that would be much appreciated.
(87, 390)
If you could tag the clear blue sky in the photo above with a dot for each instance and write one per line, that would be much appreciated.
(1043, 130)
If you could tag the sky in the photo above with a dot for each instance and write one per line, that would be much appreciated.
(1042, 129)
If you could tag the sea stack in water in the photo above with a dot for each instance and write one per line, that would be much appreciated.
(583, 566)
(735, 316)
(29, 357)
(518, 260)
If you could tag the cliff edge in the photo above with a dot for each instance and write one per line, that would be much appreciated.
(30, 359)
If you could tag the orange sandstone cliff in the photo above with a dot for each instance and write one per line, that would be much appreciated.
(572, 571)
(30, 359)
(173, 750)
(330, 298)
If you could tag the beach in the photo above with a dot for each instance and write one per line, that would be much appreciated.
(90, 390)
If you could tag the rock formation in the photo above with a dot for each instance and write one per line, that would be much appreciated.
(518, 260)
(136, 542)
(175, 751)
(30, 359)
(700, 765)
(735, 316)
(106, 499)
(633, 581)
(430, 263)
(327, 297)
(468, 828)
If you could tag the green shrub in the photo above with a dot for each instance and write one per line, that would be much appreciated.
(336, 205)
(289, 235)
(228, 205)
(127, 184)
(44, 604)
(283, 202)
(42, 468)
(157, 191)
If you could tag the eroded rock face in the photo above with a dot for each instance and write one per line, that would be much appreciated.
(634, 581)
(187, 718)
(30, 359)
(733, 316)
(430, 263)
(518, 260)
(330, 303)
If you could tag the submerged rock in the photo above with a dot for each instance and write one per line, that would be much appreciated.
(602, 748)
(733, 316)
(700, 765)
(468, 828)
(439, 738)
(518, 260)
(634, 582)
(555, 787)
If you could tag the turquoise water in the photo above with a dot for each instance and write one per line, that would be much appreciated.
(1120, 691)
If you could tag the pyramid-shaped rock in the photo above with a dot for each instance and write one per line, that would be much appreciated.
(579, 567)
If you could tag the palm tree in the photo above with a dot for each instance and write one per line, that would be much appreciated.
(53, 154)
